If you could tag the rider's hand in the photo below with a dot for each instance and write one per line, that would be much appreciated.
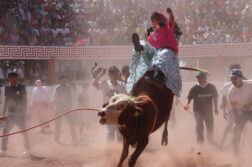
(168, 10)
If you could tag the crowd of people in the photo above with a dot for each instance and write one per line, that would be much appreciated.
(204, 95)
(44, 104)
(26, 73)
(235, 103)
(111, 22)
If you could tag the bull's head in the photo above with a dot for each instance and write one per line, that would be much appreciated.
(118, 110)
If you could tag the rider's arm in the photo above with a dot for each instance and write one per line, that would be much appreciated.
(171, 19)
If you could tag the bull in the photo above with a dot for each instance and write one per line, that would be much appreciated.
(139, 116)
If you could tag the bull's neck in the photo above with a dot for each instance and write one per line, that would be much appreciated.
(129, 130)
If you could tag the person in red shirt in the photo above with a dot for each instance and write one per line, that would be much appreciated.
(164, 34)
(165, 61)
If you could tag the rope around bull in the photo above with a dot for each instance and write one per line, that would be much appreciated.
(43, 123)
(57, 117)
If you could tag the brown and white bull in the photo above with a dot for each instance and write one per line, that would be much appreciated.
(137, 117)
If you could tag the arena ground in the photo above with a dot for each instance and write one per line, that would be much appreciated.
(95, 151)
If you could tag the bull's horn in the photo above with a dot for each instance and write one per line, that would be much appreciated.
(195, 69)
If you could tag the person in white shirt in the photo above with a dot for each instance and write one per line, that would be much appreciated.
(41, 103)
(240, 96)
(226, 105)
(109, 88)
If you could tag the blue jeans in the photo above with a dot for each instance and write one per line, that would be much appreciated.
(19, 120)
(242, 118)
(200, 118)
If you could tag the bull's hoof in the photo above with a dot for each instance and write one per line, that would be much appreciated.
(164, 141)
(137, 46)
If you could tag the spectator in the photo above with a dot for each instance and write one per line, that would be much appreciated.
(108, 88)
(10, 68)
(5, 38)
(45, 34)
(63, 102)
(35, 30)
(20, 71)
(14, 37)
(15, 109)
(230, 22)
(125, 72)
(36, 72)
(80, 41)
(33, 40)
(41, 104)
(59, 40)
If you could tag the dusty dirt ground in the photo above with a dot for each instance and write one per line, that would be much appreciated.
(95, 151)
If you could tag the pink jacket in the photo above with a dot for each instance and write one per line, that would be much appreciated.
(166, 37)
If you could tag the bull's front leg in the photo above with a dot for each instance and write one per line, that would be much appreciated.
(125, 153)
(141, 144)
(165, 134)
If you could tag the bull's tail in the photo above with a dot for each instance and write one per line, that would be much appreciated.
(195, 69)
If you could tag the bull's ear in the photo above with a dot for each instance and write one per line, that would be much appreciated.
(137, 111)
(105, 104)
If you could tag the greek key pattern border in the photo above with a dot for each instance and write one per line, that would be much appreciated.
(116, 52)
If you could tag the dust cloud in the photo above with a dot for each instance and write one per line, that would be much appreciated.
(96, 151)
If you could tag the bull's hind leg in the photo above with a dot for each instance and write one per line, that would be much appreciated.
(124, 154)
(141, 144)
(164, 141)
(165, 133)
